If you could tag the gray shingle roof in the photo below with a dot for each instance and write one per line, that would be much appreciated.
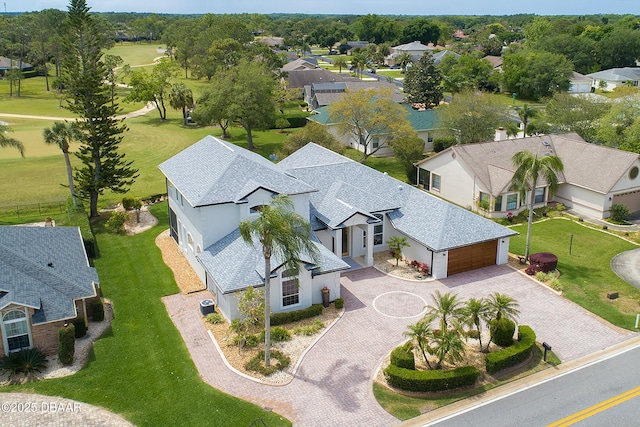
(213, 171)
(45, 268)
(435, 223)
(617, 74)
(491, 162)
(302, 78)
(236, 265)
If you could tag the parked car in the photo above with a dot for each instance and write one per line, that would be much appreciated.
(371, 70)
(394, 67)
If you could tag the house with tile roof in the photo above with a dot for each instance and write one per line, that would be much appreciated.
(614, 77)
(352, 209)
(45, 282)
(424, 121)
(479, 176)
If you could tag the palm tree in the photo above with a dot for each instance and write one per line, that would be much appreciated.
(476, 311)
(340, 62)
(63, 134)
(420, 334)
(7, 141)
(396, 243)
(358, 62)
(501, 306)
(449, 345)
(403, 60)
(447, 308)
(529, 168)
(282, 233)
(525, 113)
(181, 98)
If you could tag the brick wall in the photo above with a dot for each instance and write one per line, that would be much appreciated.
(45, 337)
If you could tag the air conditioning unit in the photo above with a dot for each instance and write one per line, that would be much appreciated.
(207, 306)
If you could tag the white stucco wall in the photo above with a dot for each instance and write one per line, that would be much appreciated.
(440, 265)
(502, 256)
(331, 281)
(581, 200)
(456, 183)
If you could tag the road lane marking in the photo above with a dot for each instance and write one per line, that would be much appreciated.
(599, 407)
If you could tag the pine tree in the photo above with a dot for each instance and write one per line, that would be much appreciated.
(423, 82)
(88, 96)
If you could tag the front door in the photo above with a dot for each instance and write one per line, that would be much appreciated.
(345, 241)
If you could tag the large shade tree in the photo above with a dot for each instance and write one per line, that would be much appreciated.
(63, 134)
(280, 232)
(88, 96)
(423, 82)
(533, 170)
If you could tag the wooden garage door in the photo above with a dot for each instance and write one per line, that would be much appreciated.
(472, 257)
(630, 200)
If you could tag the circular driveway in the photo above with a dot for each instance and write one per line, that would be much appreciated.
(399, 304)
(627, 266)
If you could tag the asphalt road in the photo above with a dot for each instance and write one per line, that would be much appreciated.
(604, 393)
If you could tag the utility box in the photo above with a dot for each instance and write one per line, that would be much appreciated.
(207, 306)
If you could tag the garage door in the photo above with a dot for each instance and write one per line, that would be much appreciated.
(472, 257)
(630, 200)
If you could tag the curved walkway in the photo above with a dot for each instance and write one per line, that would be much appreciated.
(137, 113)
(333, 384)
(22, 409)
(627, 266)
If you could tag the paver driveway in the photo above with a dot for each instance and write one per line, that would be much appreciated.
(333, 384)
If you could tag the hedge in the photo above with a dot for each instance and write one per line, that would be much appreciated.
(430, 381)
(403, 358)
(513, 355)
(293, 316)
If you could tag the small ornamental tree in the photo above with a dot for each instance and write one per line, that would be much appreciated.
(66, 344)
(619, 212)
(396, 244)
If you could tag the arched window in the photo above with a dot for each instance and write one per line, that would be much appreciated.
(16, 330)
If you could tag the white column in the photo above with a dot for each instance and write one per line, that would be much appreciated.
(368, 257)
(337, 242)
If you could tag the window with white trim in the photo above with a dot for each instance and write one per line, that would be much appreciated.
(498, 204)
(378, 230)
(539, 197)
(16, 330)
(290, 288)
(512, 201)
(435, 182)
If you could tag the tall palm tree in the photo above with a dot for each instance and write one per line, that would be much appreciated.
(358, 62)
(529, 168)
(420, 334)
(525, 113)
(447, 309)
(501, 306)
(340, 62)
(63, 134)
(475, 312)
(181, 98)
(283, 233)
(7, 141)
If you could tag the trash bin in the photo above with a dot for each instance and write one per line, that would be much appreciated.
(325, 298)
(207, 307)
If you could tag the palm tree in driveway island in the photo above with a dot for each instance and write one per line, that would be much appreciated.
(529, 169)
(285, 234)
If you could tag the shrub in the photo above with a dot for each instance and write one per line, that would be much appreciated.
(214, 318)
(278, 334)
(248, 341)
(403, 357)
(80, 327)
(546, 261)
(619, 212)
(293, 316)
(66, 344)
(555, 284)
(423, 381)
(503, 331)
(97, 310)
(311, 329)
(257, 363)
(131, 203)
(443, 142)
(25, 361)
(339, 303)
(513, 355)
(116, 221)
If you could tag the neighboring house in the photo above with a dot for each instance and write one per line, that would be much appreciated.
(495, 61)
(352, 209)
(424, 122)
(415, 49)
(271, 41)
(7, 64)
(300, 79)
(349, 46)
(437, 57)
(580, 83)
(212, 186)
(614, 77)
(459, 35)
(321, 94)
(357, 209)
(478, 176)
(299, 64)
(45, 282)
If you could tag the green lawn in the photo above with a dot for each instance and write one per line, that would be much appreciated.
(585, 274)
(136, 54)
(140, 368)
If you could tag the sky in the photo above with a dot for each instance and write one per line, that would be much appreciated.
(345, 7)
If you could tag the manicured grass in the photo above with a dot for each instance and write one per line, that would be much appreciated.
(585, 274)
(140, 368)
(396, 74)
(135, 54)
(390, 165)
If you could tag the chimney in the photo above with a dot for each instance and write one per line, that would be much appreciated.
(501, 134)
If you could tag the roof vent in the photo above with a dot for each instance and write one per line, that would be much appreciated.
(50, 265)
(546, 143)
(399, 187)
